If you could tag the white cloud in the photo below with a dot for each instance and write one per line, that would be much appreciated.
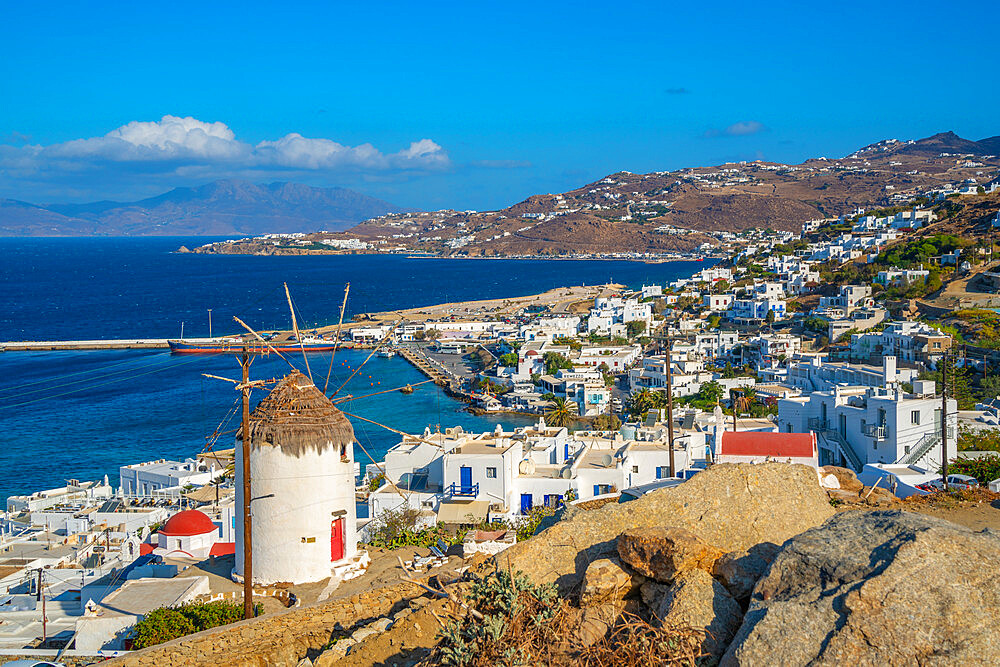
(740, 129)
(186, 144)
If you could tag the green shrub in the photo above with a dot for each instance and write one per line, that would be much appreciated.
(985, 469)
(166, 623)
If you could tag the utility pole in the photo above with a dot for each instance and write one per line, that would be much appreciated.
(247, 535)
(41, 596)
(670, 404)
(944, 420)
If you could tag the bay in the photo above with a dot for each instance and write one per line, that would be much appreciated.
(83, 414)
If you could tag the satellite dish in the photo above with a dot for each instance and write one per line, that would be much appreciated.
(526, 467)
(567, 474)
(607, 460)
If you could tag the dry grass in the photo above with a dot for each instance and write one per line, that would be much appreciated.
(509, 621)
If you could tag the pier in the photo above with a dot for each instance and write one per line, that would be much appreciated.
(116, 344)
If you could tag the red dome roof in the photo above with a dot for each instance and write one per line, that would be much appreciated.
(188, 522)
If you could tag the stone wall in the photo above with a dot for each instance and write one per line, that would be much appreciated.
(277, 640)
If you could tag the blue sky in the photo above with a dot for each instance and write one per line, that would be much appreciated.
(469, 105)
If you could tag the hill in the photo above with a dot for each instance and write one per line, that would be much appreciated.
(677, 210)
(218, 208)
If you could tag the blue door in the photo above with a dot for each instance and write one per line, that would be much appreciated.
(597, 489)
(525, 503)
(465, 474)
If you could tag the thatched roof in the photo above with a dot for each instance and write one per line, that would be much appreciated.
(296, 416)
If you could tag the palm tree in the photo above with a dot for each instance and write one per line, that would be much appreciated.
(641, 401)
(558, 413)
(744, 402)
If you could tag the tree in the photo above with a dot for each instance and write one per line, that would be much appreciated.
(770, 317)
(636, 328)
(711, 391)
(607, 423)
(555, 361)
(509, 359)
(991, 386)
(558, 413)
(640, 402)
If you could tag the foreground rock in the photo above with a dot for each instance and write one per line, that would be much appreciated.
(663, 553)
(739, 571)
(730, 506)
(697, 600)
(607, 581)
(876, 588)
(846, 478)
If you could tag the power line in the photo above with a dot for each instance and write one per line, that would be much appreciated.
(100, 384)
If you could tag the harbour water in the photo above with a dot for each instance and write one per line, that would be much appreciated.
(83, 414)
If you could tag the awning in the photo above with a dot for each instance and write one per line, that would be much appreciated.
(207, 493)
(472, 511)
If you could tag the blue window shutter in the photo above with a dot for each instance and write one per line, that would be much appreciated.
(597, 490)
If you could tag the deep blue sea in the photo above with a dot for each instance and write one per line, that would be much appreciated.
(83, 414)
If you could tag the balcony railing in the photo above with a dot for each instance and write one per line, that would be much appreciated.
(468, 491)
(876, 431)
(817, 424)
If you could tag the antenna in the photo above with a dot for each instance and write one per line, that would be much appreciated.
(607, 460)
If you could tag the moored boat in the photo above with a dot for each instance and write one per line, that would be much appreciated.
(222, 345)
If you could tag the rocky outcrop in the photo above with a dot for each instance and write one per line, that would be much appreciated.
(607, 581)
(697, 600)
(730, 506)
(739, 571)
(846, 478)
(663, 553)
(876, 588)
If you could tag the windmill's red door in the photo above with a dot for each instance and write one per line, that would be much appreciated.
(337, 539)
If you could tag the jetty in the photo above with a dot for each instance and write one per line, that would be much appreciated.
(110, 344)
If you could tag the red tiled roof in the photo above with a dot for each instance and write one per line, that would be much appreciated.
(222, 549)
(763, 444)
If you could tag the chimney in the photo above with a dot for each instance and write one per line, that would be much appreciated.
(889, 368)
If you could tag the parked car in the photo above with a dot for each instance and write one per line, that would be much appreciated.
(954, 482)
(32, 663)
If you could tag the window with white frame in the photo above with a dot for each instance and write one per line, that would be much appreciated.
(491, 473)
(915, 417)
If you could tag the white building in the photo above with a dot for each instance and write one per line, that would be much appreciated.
(151, 477)
(861, 425)
(906, 340)
(815, 373)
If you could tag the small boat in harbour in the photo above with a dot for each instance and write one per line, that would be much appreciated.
(386, 352)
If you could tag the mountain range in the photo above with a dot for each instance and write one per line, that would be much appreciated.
(627, 211)
(225, 207)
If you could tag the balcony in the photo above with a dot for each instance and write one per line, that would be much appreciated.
(455, 490)
(874, 431)
(818, 424)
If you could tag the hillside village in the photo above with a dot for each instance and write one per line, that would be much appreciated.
(665, 214)
(840, 365)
